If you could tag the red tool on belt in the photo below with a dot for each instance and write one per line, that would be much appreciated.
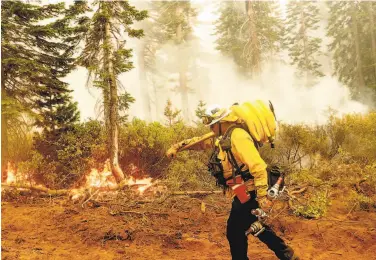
(240, 189)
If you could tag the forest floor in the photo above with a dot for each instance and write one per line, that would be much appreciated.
(176, 229)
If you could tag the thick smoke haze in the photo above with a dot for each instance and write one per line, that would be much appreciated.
(217, 81)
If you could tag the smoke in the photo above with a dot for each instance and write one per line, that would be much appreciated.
(218, 81)
(293, 103)
(215, 79)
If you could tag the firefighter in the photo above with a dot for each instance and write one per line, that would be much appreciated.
(247, 162)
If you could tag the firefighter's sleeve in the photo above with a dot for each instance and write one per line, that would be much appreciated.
(245, 150)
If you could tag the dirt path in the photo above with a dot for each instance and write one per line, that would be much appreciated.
(53, 231)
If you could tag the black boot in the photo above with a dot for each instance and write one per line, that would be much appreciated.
(276, 244)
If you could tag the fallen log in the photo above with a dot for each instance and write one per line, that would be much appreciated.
(89, 192)
(298, 191)
(61, 192)
(196, 192)
(48, 191)
(116, 213)
(291, 196)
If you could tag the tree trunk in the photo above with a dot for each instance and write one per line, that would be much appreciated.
(113, 106)
(303, 33)
(184, 93)
(106, 114)
(373, 37)
(253, 51)
(4, 131)
(106, 105)
(359, 72)
(156, 98)
(144, 83)
(183, 88)
(4, 146)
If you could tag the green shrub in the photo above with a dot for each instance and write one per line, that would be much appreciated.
(189, 171)
(304, 176)
(145, 145)
(350, 139)
(370, 177)
(78, 152)
(316, 206)
(37, 170)
(63, 161)
(297, 146)
(360, 142)
(361, 202)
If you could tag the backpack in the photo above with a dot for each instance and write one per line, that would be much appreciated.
(259, 120)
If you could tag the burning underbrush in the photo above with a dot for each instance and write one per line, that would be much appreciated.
(95, 185)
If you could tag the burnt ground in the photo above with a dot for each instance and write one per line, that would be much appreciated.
(175, 229)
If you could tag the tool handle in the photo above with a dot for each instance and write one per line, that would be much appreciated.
(259, 213)
(201, 139)
(279, 181)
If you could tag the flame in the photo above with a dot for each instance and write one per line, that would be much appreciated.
(144, 183)
(15, 176)
(105, 178)
(94, 179)
(100, 179)
(11, 176)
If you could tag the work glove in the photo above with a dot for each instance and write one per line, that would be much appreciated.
(171, 153)
(265, 204)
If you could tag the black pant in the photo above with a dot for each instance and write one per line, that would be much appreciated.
(240, 220)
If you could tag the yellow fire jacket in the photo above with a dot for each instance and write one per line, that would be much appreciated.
(244, 151)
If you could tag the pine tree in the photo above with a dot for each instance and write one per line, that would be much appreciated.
(351, 30)
(173, 25)
(228, 25)
(35, 56)
(106, 56)
(146, 99)
(148, 70)
(59, 112)
(125, 101)
(200, 110)
(303, 47)
(56, 111)
(172, 116)
(143, 54)
(370, 31)
(251, 35)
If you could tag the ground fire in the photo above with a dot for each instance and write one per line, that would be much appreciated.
(96, 180)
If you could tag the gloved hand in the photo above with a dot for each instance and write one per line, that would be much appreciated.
(265, 204)
(171, 153)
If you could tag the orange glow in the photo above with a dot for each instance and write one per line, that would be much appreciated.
(11, 176)
(144, 183)
(100, 179)
(105, 179)
(94, 179)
